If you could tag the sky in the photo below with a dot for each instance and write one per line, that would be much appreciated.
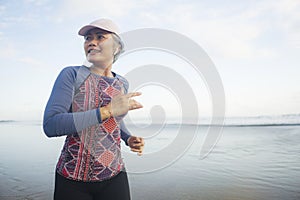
(254, 45)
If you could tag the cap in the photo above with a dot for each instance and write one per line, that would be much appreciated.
(104, 24)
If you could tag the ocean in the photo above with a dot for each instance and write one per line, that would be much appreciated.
(255, 158)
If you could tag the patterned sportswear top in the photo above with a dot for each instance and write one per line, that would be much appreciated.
(92, 148)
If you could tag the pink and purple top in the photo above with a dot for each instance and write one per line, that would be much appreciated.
(92, 150)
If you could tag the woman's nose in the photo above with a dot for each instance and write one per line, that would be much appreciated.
(93, 42)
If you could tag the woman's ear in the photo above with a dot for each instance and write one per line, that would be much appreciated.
(117, 50)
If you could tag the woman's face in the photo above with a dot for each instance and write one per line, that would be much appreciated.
(99, 47)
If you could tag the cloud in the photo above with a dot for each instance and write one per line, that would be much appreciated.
(234, 31)
(21, 14)
(229, 35)
(289, 21)
(31, 61)
(36, 2)
(2, 9)
(7, 51)
(77, 8)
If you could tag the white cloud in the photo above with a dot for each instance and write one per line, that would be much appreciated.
(7, 51)
(2, 9)
(289, 21)
(79, 8)
(31, 61)
(20, 20)
(25, 12)
(231, 36)
(234, 31)
(36, 2)
(286, 6)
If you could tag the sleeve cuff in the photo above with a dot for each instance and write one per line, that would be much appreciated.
(98, 115)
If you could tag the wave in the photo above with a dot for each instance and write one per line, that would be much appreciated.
(264, 120)
(252, 125)
(144, 125)
(7, 121)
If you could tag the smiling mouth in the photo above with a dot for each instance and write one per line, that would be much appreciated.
(94, 51)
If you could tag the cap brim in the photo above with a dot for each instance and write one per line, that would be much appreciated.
(84, 30)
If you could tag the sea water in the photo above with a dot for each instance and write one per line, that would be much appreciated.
(250, 161)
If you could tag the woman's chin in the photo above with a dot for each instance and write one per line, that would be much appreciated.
(95, 62)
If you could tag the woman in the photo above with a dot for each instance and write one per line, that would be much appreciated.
(87, 105)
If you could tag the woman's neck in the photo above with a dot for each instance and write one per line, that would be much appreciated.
(101, 70)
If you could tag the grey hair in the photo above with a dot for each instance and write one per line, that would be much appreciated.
(119, 44)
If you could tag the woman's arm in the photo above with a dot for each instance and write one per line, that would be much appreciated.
(125, 133)
(58, 120)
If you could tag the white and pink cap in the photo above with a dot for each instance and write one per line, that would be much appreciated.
(104, 24)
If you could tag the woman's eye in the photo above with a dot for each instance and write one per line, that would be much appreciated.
(87, 38)
(100, 37)
(91, 37)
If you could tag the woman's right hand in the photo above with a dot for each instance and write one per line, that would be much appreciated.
(120, 105)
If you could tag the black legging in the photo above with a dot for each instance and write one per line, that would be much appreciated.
(116, 188)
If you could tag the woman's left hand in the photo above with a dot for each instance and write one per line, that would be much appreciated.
(136, 144)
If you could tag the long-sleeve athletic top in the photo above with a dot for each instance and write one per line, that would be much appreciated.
(58, 118)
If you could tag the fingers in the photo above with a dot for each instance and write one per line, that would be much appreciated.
(137, 141)
(133, 104)
(138, 151)
(127, 96)
(137, 145)
(133, 94)
(121, 104)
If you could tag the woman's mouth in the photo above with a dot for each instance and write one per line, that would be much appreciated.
(93, 51)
